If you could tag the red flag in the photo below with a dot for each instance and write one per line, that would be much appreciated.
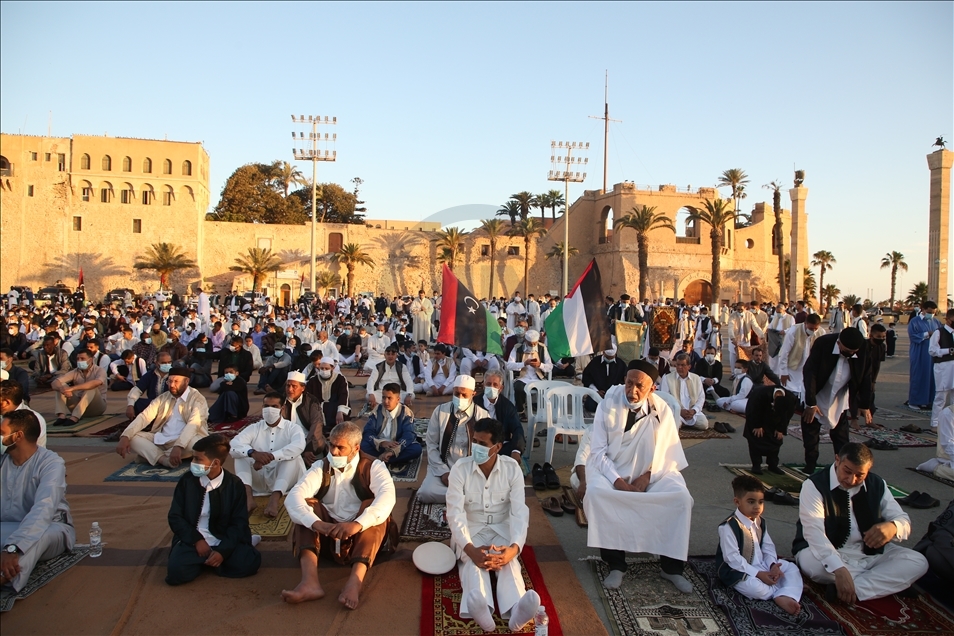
(302, 281)
(80, 283)
(464, 321)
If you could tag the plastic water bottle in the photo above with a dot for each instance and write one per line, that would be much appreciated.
(541, 622)
(95, 540)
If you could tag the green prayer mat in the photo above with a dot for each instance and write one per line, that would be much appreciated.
(82, 425)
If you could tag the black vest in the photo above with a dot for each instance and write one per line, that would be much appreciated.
(726, 574)
(945, 340)
(866, 506)
(398, 368)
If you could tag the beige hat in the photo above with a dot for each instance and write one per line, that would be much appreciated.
(465, 381)
(297, 376)
(532, 336)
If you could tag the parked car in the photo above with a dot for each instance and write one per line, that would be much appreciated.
(51, 294)
(118, 294)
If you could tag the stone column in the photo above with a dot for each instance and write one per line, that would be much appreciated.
(799, 244)
(939, 225)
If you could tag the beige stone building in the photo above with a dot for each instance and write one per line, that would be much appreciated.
(99, 202)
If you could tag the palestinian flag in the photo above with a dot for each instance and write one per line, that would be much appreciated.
(578, 325)
(464, 321)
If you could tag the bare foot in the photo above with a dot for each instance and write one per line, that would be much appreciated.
(350, 593)
(304, 592)
(271, 510)
(251, 505)
(788, 604)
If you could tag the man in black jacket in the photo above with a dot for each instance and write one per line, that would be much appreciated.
(710, 370)
(837, 373)
(237, 357)
(209, 519)
(504, 411)
(601, 373)
(767, 413)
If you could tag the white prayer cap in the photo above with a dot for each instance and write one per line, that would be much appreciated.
(297, 376)
(532, 335)
(465, 382)
(610, 352)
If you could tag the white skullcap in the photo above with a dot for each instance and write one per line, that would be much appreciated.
(532, 336)
(297, 376)
(465, 381)
(610, 352)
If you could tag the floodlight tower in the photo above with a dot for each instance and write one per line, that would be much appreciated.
(565, 167)
(321, 149)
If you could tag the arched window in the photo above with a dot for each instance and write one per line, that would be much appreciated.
(606, 225)
(127, 195)
(335, 241)
(187, 168)
(186, 192)
(107, 163)
(105, 192)
(148, 194)
(167, 166)
(167, 195)
(147, 165)
(86, 191)
(127, 164)
(84, 162)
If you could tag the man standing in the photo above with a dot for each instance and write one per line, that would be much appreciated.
(781, 322)
(636, 498)
(839, 318)
(941, 349)
(421, 310)
(702, 330)
(796, 346)
(848, 528)
(687, 388)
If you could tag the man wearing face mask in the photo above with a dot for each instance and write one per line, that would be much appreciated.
(341, 508)
(504, 411)
(274, 370)
(941, 348)
(79, 393)
(232, 403)
(473, 362)
(488, 519)
(11, 399)
(921, 388)
(378, 344)
(267, 456)
(687, 388)
(236, 356)
(301, 408)
(662, 365)
(35, 521)
(389, 370)
(389, 432)
(209, 519)
(440, 373)
(530, 361)
(793, 355)
(709, 369)
(149, 387)
(448, 438)
(602, 373)
(516, 311)
(837, 374)
(633, 481)
(145, 350)
(742, 384)
(176, 420)
(513, 340)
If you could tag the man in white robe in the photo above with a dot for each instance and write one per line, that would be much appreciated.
(741, 385)
(941, 350)
(636, 498)
(794, 353)
(515, 310)
(687, 388)
(421, 311)
(778, 327)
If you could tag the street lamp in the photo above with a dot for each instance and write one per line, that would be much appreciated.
(322, 148)
(565, 168)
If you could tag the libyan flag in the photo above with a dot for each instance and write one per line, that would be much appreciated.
(578, 326)
(464, 321)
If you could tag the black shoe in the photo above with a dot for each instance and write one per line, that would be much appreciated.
(553, 481)
(809, 469)
(756, 470)
(783, 498)
(924, 501)
(64, 421)
(831, 593)
(776, 470)
(728, 427)
(536, 442)
(911, 497)
(537, 478)
(715, 408)
(720, 428)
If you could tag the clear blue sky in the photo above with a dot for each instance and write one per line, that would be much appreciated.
(449, 104)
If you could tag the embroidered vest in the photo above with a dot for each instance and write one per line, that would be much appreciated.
(945, 340)
(746, 545)
(398, 368)
(866, 506)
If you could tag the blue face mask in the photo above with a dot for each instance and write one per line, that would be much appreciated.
(338, 462)
(461, 403)
(481, 454)
(279, 353)
(199, 470)
(229, 377)
(200, 349)
(165, 367)
(347, 332)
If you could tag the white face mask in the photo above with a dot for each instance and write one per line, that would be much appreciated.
(737, 372)
(271, 414)
(324, 374)
(710, 358)
(491, 393)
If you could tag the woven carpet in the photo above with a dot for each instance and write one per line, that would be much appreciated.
(43, 573)
(795, 430)
(270, 529)
(231, 429)
(695, 433)
(790, 482)
(441, 596)
(647, 604)
(898, 438)
(420, 427)
(410, 470)
(111, 433)
(424, 522)
(144, 472)
(946, 482)
(761, 618)
(82, 425)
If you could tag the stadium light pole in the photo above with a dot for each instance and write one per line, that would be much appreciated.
(318, 151)
(565, 167)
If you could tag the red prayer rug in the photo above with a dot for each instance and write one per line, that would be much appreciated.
(441, 596)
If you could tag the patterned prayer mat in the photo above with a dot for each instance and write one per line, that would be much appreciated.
(111, 433)
(420, 427)
(761, 618)
(946, 482)
(790, 482)
(647, 604)
(270, 529)
(43, 573)
(441, 596)
(144, 472)
(795, 430)
(231, 429)
(889, 616)
(694, 433)
(892, 436)
(424, 522)
(82, 425)
(410, 470)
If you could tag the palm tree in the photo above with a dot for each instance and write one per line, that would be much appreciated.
(851, 300)
(776, 189)
(809, 286)
(918, 294)
(557, 252)
(352, 255)
(831, 294)
(164, 258)
(325, 279)
(717, 214)
(824, 261)
(527, 228)
(258, 262)
(542, 201)
(894, 260)
(512, 209)
(736, 179)
(557, 200)
(451, 243)
(644, 219)
(525, 201)
(286, 175)
(494, 229)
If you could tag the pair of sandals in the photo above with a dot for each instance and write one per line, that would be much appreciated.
(920, 500)
(880, 444)
(544, 477)
(557, 506)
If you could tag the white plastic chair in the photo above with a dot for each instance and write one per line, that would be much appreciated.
(510, 379)
(536, 393)
(564, 414)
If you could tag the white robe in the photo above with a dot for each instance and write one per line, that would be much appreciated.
(421, 310)
(656, 521)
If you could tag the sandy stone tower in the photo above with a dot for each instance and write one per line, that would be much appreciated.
(939, 228)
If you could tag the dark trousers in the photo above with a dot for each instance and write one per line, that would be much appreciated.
(756, 454)
(720, 390)
(185, 564)
(616, 560)
(274, 378)
(413, 451)
(812, 431)
(360, 548)
(225, 408)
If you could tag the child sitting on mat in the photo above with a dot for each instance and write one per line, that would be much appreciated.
(746, 558)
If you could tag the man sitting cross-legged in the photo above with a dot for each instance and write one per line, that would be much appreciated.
(209, 520)
(488, 519)
(341, 508)
(687, 388)
(267, 455)
(178, 419)
(79, 393)
(35, 522)
(389, 432)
